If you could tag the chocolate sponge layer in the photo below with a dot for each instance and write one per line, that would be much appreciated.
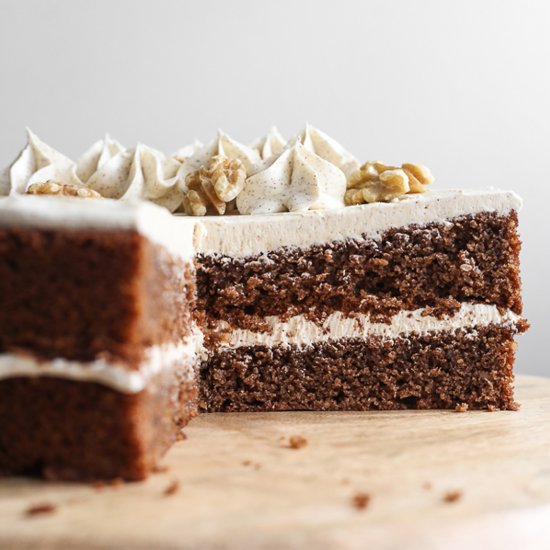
(70, 430)
(433, 371)
(472, 258)
(83, 294)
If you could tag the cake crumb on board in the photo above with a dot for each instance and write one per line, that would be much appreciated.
(41, 509)
(360, 501)
(172, 488)
(452, 496)
(295, 442)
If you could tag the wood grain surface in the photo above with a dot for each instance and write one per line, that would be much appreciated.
(433, 480)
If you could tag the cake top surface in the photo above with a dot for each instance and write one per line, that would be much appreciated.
(252, 234)
(310, 171)
(229, 198)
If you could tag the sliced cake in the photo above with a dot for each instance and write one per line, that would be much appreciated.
(280, 276)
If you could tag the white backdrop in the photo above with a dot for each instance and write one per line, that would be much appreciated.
(463, 87)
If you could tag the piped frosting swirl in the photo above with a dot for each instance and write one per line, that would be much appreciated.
(310, 172)
(36, 163)
(297, 180)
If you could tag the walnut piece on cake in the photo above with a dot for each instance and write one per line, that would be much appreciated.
(65, 189)
(379, 182)
(214, 186)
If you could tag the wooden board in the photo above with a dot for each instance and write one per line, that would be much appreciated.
(302, 498)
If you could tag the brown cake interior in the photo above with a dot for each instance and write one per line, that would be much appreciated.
(84, 294)
(112, 294)
(86, 431)
(473, 259)
(436, 371)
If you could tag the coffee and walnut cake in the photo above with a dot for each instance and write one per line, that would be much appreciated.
(138, 289)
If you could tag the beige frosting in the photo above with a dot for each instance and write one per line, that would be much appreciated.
(175, 233)
(327, 148)
(296, 181)
(307, 174)
(242, 236)
(221, 145)
(36, 163)
(183, 153)
(142, 173)
(269, 145)
(96, 157)
(114, 374)
(300, 331)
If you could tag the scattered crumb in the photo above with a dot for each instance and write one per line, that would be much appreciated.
(246, 462)
(100, 484)
(491, 408)
(461, 407)
(160, 468)
(44, 508)
(172, 489)
(297, 442)
(452, 496)
(257, 466)
(360, 501)
(427, 486)
(115, 483)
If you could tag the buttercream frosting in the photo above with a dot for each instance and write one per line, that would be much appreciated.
(225, 146)
(175, 233)
(36, 163)
(183, 153)
(108, 373)
(327, 148)
(142, 173)
(241, 236)
(297, 180)
(270, 145)
(299, 331)
(101, 152)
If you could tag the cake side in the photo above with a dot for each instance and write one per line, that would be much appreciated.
(473, 258)
(96, 331)
(355, 323)
(71, 430)
(436, 370)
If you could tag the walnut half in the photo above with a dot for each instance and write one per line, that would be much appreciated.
(66, 189)
(378, 182)
(213, 186)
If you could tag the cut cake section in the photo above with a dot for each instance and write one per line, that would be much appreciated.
(97, 341)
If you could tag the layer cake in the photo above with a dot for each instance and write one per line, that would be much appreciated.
(282, 276)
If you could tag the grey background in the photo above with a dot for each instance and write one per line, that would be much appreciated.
(463, 87)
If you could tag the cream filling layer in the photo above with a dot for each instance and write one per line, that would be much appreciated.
(300, 331)
(109, 373)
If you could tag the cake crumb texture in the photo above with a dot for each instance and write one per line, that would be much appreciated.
(69, 430)
(433, 371)
(472, 258)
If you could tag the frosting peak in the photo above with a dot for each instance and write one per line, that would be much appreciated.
(297, 180)
(327, 148)
(96, 156)
(224, 146)
(271, 144)
(142, 173)
(36, 163)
